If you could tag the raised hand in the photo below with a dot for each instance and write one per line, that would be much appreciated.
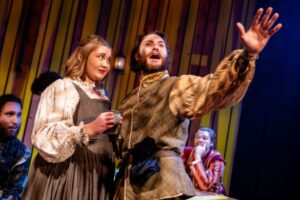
(103, 122)
(258, 35)
(199, 150)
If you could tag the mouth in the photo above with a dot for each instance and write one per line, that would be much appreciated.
(13, 128)
(155, 57)
(102, 71)
(200, 144)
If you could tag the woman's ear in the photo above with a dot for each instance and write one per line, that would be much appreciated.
(79, 57)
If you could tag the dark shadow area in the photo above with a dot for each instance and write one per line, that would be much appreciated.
(265, 164)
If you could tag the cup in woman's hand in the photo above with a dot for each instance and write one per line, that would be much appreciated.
(117, 117)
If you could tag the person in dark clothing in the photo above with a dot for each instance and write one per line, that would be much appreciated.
(14, 155)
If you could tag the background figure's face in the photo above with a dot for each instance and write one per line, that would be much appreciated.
(98, 64)
(202, 138)
(152, 54)
(10, 119)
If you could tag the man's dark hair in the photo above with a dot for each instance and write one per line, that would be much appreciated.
(44, 80)
(211, 132)
(9, 98)
(134, 65)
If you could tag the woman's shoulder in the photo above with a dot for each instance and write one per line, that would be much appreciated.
(61, 86)
(64, 83)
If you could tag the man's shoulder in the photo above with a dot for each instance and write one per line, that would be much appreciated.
(27, 152)
(21, 145)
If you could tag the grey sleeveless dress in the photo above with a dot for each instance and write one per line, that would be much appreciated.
(88, 174)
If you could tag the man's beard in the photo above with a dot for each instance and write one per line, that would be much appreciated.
(5, 134)
(146, 69)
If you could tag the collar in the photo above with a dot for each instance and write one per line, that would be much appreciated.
(83, 84)
(150, 78)
(90, 88)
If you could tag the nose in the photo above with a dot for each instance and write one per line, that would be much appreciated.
(15, 119)
(105, 63)
(155, 46)
(201, 140)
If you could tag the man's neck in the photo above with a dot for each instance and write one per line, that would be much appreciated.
(4, 139)
(153, 76)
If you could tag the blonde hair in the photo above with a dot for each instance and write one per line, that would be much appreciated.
(75, 68)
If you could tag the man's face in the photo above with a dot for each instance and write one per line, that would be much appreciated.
(202, 138)
(152, 54)
(10, 119)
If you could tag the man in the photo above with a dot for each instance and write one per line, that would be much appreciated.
(14, 156)
(160, 108)
(204, 164)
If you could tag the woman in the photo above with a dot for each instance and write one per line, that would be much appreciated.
(75, 159)
(204, 164)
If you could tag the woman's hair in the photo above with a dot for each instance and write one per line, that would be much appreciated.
(134, 65)
(75, 68)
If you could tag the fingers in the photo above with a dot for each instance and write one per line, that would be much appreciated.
(271, 22)
(263, 25)
(201, 147)
(108, 118)
(266, 23)
(256, 18)
(275, 29)
(241, 28)
(266, 18)
(109, 113)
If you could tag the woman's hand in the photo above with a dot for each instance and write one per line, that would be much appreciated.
(256, 38)
(103, 122)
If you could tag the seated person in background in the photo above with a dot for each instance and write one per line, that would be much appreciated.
(44, 80)
(14, 155)
(204, 164)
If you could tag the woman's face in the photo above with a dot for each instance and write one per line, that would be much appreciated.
(202, 138)
(98, 64)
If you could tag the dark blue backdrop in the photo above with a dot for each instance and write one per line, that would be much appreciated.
(268, 140)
